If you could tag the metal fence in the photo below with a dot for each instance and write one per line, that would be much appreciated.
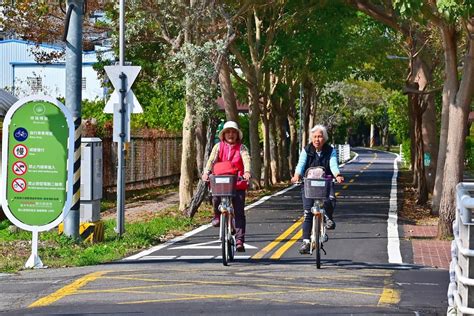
(461, 270)
(152, 159)
(343, 152)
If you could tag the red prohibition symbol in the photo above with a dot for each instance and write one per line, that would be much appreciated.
(19, 185)
(19, 168)
(20, 151)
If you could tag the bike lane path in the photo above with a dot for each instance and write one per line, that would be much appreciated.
(271, 277)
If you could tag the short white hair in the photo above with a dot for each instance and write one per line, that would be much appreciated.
(321, 128)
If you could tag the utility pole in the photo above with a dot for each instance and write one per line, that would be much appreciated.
(73, 39)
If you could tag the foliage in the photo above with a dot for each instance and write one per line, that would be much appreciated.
(406, 151)
(199, 67)
(398, 114)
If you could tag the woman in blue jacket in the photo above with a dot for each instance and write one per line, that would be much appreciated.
(317, 153)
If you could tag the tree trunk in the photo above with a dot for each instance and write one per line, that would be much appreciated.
(273, 151)
(293, 156)
(200, 145)
(283, 147)
(255, 150)
(450, 85)
(266, 149)
(424, 75)
(228, 93)
(458, 114)
(202, 187)
(307, 92)
(422, 189)
(188, 159)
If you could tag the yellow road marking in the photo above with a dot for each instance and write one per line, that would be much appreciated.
(389, 296)
(337, 193)
(345, 187)
(68, 289)
(273, 244)
(287, 245)
(351, 180)
(243, 296)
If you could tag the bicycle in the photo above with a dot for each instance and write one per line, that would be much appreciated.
(224, 187)
(317, 188)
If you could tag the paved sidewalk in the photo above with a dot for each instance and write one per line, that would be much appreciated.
(427, 250)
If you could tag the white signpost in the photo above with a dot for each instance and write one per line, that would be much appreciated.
(131, 103)
(122, 103)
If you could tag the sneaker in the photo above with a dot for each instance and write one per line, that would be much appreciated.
(330, 224)
(304, 249)
(216, 221)
(240, 246)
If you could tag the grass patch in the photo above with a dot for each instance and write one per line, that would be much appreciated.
(59, 251)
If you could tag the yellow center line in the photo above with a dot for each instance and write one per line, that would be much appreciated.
(287, 245)
(345, 187)
(69, 289)
(273, 244)
(351, 180)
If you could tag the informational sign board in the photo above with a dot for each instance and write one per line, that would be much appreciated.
(37, 153)
(427, 159)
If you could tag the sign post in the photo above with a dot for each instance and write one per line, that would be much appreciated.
(37, 171)
(121, 103)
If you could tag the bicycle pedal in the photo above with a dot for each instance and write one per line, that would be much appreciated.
(326, 238)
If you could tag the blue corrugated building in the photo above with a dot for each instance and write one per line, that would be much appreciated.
(21, 74)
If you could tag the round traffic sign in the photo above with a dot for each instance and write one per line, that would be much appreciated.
(20, 134)
(20, 151)
(18, 185)
(19, 168)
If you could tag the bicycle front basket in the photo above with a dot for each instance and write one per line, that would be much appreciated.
(223, 185)
(316, 188)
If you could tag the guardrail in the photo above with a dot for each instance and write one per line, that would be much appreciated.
(461, 269)
(343, 152)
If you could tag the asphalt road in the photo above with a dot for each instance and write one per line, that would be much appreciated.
(367, 270)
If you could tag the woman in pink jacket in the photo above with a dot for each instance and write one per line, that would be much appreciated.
(230, 148)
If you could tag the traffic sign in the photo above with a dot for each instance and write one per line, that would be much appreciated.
(20, 151)
(122, 77)
(130, 99)
(20, 134)
(19, 168)
(114, 72)
(18, 185)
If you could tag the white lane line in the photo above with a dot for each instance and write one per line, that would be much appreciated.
(158, 258)
(208, 245)
(393, 241)
(168, 243)
(195, 257)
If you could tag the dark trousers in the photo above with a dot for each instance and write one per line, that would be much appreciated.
(238, 202)
(329, 205)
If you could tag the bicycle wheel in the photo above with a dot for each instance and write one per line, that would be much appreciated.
(318, 240)
(224, 238)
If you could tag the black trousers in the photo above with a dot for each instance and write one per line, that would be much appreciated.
(238, 202)
(329, 205)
